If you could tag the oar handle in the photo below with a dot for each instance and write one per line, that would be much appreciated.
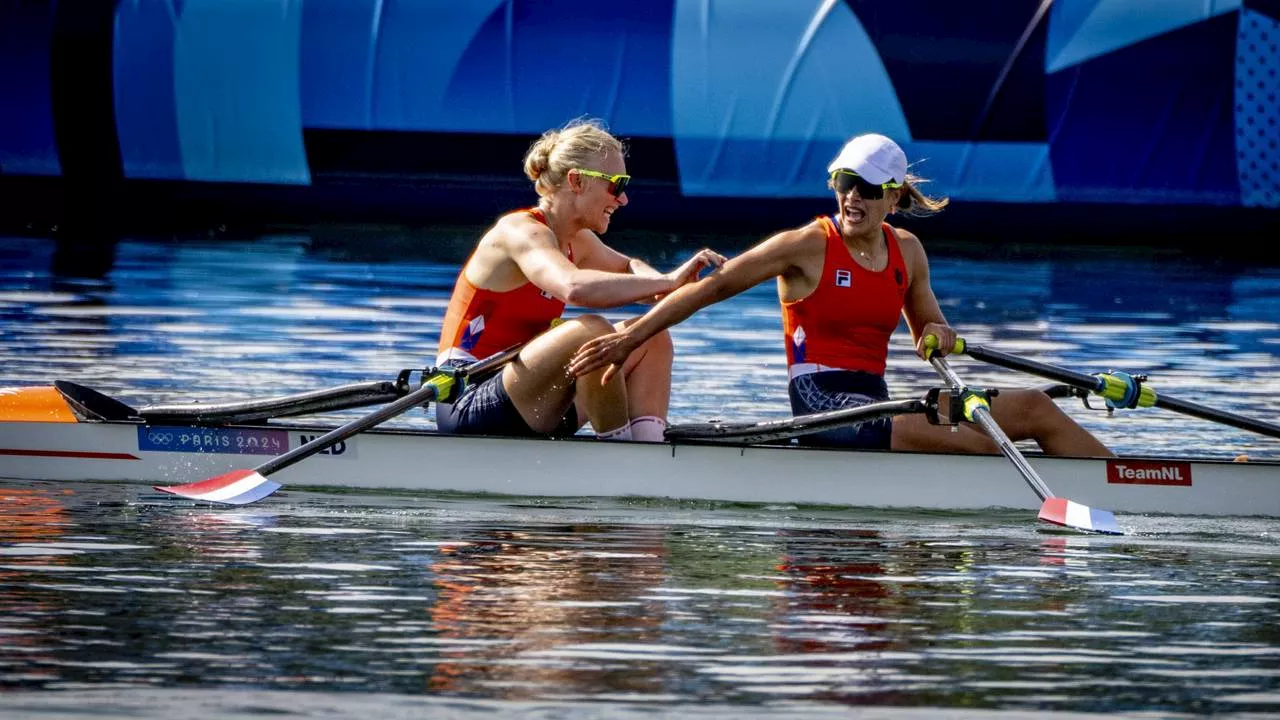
(931, 343)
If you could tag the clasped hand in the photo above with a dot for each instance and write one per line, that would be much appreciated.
(688, 272)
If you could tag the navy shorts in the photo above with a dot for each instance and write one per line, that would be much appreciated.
(485, 408)
(836, 390)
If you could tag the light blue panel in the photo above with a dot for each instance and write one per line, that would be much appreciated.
(142, 77)
(237, 80)
(1257, 115)
(1084, 29)
(764, 93)
(418, 45)
(994, 171)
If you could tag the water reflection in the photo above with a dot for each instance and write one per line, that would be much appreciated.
(525, 594)
(484, 599)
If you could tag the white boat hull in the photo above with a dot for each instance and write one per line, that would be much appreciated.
(427, 461)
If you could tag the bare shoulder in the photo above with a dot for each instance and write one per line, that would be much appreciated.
(913, 255)
(518, 230)
(906, 237)
(808, 238)
(910, 245)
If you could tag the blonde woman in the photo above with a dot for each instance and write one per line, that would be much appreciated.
(844, 280)
(526, 268)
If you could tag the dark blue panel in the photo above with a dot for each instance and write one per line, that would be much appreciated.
(962, 71)
(337, 57)
(1151, 123)
(27, 144)
(144, 91)
(81, 85)
(564, 58)
(1270, 8)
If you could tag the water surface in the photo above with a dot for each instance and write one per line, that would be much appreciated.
(117, 603)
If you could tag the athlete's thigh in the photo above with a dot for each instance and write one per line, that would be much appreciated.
(915, 432)
(537, 379)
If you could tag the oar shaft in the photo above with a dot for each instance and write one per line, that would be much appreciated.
(424, 394)
(982, 416)
(1187, 407)
(775, 430)
(1096, 384)
(1053, 372)
(492, 362)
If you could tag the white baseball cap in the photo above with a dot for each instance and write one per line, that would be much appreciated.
(875, 157)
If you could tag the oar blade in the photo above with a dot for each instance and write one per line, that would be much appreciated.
(238, 487)
(1061, 511)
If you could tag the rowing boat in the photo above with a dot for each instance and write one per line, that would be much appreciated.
(65, 433)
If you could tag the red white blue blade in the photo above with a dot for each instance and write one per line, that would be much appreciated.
(1061, 511)
(238, 487)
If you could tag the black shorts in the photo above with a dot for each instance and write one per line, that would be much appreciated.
(486, 409)
(836, 390)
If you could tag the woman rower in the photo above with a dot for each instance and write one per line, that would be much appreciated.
(843, 281)
(517, 282)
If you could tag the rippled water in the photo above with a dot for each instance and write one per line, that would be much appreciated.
(116, 603)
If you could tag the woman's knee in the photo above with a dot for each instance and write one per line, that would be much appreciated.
(571, 334)
(589, 326)
(660, 344)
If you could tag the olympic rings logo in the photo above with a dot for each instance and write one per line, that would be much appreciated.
(160, 438)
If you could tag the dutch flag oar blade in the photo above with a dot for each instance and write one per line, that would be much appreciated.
(238, 487)
(1061, 511)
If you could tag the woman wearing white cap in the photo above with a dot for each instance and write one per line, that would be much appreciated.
(844, 280)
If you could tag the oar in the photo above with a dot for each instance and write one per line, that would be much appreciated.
(344, 397)
(1054, 509)
(1121, 389)
(241, 487)
(783, 429)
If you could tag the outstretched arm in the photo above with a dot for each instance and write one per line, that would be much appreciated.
(539, 258)
(770, 258)
(592, 253)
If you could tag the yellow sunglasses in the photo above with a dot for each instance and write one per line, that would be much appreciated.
(617, 183)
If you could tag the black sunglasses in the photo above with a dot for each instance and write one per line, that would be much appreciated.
(846, 180)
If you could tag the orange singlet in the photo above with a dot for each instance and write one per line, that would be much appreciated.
(845, 323)
(480, 322)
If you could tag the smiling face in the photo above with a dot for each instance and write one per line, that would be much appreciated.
(593, 202)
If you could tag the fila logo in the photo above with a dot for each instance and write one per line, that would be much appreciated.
(548, 295)
(844, 278)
